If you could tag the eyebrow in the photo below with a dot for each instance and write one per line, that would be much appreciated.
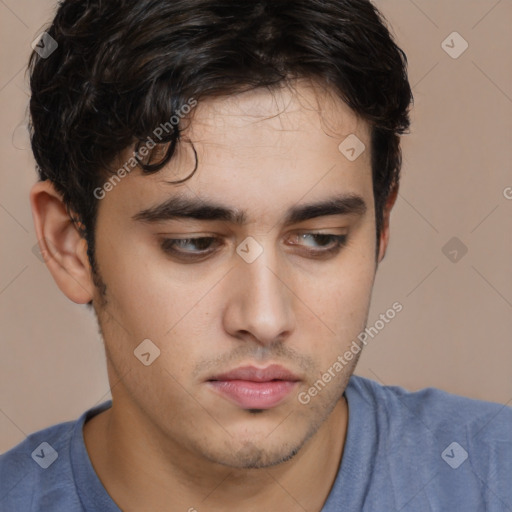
(179, 207)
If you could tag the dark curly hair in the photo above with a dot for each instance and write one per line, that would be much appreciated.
(124, 67)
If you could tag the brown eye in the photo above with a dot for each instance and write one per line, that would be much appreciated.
(321, 240)
(319, 245)
(189, 247)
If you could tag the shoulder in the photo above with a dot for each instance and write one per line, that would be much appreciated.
(436, 410)
(461, 448)
(37, 472)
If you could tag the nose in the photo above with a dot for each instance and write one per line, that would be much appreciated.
(260, 305)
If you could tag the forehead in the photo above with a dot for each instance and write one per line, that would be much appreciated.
(263, 150)
(272, 115)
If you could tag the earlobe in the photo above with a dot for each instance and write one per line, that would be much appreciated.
(384, 232)
(63, 248)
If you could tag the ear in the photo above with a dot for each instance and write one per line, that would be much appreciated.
(384, 232)
(60, 242)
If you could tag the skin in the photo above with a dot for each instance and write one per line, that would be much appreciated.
(169, 442)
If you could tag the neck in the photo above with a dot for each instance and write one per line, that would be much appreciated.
(142, 470)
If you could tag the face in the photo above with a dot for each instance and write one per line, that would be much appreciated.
(251, 302)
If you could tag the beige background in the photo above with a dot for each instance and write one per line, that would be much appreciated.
(455, 329)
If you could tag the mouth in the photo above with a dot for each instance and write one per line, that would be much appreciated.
(255, 388)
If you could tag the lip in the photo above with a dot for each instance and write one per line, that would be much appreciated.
(255, 374)
(250, 387)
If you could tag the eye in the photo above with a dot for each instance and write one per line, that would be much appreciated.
(320, 244)
(321, 239)
(314, 245)
(190, 247)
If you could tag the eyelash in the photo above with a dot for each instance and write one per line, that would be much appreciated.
(168, 245)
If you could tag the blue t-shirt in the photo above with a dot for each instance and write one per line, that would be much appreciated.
(410, 452)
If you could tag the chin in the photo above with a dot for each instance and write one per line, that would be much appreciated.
(259, 450)
(252, 456)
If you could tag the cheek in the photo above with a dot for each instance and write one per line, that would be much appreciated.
(339, 300)
(148, 298)
(145, 293)
(347, 295)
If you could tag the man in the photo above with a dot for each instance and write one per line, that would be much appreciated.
(216, 182)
